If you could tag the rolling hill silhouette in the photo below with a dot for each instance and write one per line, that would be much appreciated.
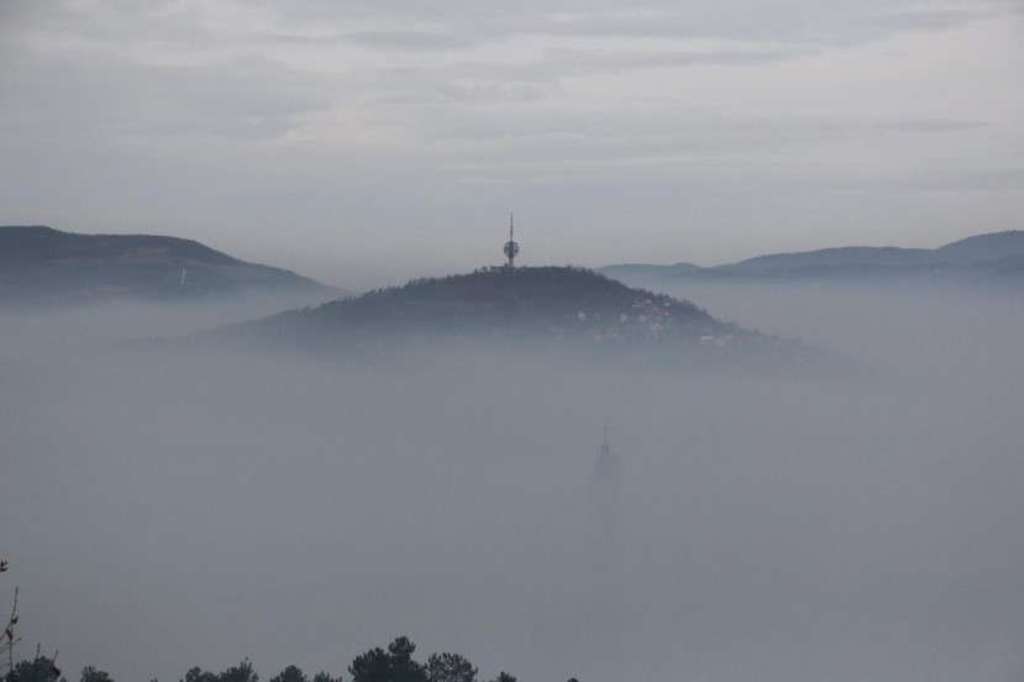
(537, 307)
(995, 258)
(39, 264)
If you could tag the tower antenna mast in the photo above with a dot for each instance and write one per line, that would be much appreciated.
(511, 248)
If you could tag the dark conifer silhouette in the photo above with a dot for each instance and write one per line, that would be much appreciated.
(243, 672)
(449, 667)
(394, 664)
(323, 676)
(39, 669)
(293, 674)
(91, 674)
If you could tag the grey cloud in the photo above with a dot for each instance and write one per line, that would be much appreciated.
(397, 105)
(476, 92)
(112, 23)
(994, 180)
(244, 99)
(932, 125)
(793, 21)
(929, 20)
(400, 40)
(463, 24)
(998, 179)
(480, 81)
(408, 40)
(581, 62)
(646, 130)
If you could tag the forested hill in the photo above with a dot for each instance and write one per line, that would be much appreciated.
(556, 305)
(39, 264)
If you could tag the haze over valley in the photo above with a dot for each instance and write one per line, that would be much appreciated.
(287, 394)
(175, 503)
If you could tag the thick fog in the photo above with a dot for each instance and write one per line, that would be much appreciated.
(168, 508)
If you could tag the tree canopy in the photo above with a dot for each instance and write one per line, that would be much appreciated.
(396, 663)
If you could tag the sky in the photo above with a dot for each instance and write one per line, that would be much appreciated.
(366, 142)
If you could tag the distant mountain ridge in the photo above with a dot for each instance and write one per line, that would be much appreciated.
(39, 264)
(996, 257)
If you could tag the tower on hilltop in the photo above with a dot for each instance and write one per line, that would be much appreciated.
(511, 249)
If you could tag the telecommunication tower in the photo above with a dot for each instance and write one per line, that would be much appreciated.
(606, 486)
(511, 249)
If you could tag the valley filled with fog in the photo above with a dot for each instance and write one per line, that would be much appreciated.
(169, 507)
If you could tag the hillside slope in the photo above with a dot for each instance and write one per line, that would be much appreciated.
(996, 258)
(553, 305)
(39, 264)
(983, 248)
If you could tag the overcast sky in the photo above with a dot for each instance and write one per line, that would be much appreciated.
(366, 141)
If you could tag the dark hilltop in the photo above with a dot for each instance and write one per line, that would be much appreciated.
(536, 307)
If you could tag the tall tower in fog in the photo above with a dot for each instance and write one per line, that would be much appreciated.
(606, 576)
(511, 248)
(606, 484)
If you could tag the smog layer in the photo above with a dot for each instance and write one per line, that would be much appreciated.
(171, 506)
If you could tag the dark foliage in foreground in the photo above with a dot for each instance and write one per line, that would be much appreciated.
(395, 664)
(42, 669)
